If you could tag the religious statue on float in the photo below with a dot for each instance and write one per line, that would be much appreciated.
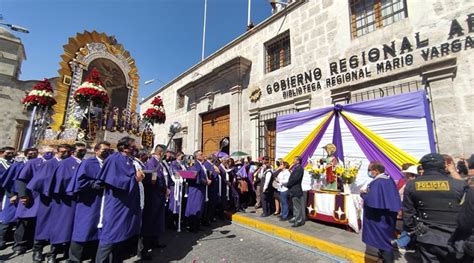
(91, 98)
(330, 163)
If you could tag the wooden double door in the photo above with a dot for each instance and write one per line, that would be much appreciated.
(215, 127)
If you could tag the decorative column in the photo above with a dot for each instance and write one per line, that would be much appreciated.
(193, 126)
(236, 119)
(77, 69)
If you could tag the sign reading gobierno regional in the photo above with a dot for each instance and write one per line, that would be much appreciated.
(377, 60)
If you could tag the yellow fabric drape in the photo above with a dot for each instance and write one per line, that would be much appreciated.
(395, 154)
(298, 150)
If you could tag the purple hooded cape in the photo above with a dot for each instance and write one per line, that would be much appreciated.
(41, 183)
(29, 170)
(381, 205)
(7, 215)
(87, 192)
(122, 212)
(196, 192)
(153, 216)
(61, 216)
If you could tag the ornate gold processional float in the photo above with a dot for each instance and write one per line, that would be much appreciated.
(95, 97)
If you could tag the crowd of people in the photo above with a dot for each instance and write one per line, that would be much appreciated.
(118, 202)
(434, 205)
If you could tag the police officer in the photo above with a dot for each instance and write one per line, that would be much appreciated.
(431, 204)
(463, 238)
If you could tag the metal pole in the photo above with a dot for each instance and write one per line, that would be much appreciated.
(204, 30)
(248, 13)
(180, 200)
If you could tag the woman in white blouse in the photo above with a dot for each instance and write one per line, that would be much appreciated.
(283, 178)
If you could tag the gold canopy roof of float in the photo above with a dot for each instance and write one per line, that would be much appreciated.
(78, 44)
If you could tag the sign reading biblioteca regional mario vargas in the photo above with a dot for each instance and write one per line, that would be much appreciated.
(377, 60)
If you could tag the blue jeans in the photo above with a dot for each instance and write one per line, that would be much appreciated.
(284, 204)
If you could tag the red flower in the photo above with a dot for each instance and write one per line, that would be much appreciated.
(157, 101)
(94, 77)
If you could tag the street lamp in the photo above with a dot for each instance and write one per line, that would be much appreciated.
(16, 28)
(174, 128)
(148, 82)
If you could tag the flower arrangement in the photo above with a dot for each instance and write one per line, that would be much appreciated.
(41, 96)
(348, 173)
(156, 113)
(92, 90)
(315, 171)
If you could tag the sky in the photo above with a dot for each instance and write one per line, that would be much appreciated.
(163, 36)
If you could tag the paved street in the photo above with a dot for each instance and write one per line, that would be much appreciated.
(225, 243)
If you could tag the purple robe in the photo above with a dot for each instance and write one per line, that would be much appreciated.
(223, 184)
(153, 217)
(381, 205)
(175, 167)
(86, 189)
(213, 193)
(63, 206)
(122, 212)
(27, 173)
(41, 183)
(7, 215)
(4, 164)
(196, 192)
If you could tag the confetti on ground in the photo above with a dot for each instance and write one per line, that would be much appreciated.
(241, 239)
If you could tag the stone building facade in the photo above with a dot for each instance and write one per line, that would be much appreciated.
(312, 54)
(14, 119)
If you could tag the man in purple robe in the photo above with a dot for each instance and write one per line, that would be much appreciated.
(176, 166)
(27, 207)
(62, 207)
(9, 205)
(7, 208)
(213, 190)
(381, 205)
(120, 214)
(197, 192)
(41, 184)
(87, 191)
(155, 188)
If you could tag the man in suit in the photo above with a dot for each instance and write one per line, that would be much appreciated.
(296, 193)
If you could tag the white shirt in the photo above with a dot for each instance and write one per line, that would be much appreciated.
(268, 176)
(283, 178)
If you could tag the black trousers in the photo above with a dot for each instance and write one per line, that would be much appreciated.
(116, 252)
(387, 256)
(431, 253)
(57, 249)
(80, 251)
(145, 244)
(5, 233)
(38, 245)
(268, 205)
(24, 234)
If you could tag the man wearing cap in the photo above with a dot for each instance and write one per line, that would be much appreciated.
(431, 204)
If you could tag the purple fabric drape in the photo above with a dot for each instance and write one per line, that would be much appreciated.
(292, 120)
(337, 136)
(373, 153)
(308, 152)
(400, 106)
